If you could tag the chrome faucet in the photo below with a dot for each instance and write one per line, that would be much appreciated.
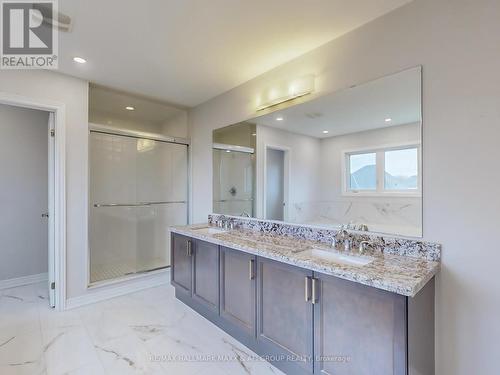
(344, 238)
(362, 246)
(362, 227)
(225, 222)
(221, 221)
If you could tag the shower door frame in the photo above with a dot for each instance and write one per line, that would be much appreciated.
(103, 129)
(240, 150)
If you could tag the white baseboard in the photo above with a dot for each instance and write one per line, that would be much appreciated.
(97, 294)
(25, 280)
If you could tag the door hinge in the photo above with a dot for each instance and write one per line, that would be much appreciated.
(52, 285)
(52, 132)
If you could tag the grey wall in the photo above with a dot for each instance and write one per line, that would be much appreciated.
(23, 192)
(456, 42)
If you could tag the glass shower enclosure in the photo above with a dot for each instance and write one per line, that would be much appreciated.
(233, 180)
(138, 188)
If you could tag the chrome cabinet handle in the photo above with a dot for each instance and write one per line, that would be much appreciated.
(189, 248)
(307, 290)
(251, 274)
(314, 292)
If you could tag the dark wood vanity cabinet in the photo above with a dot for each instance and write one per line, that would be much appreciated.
(237, 293)
(285, 314)
(305, 322)
(358, 329)
(206, 274)
(181, 259)
(195, 270)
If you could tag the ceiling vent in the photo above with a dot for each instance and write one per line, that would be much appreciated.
(313, 115)
(59, 20)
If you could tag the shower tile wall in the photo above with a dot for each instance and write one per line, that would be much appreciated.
(233, 184)
(142, 175)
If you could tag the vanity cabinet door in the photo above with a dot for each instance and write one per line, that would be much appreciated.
(359, 330)
(237, 291)
(181, 256)
(206, 274)
(285, 315)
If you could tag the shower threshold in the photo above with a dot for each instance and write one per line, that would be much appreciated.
(119, 273)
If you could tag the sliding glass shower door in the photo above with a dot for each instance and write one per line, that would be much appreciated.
(138, 188)
(233, 182)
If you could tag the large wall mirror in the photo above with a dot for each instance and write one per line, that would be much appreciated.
(352, 157)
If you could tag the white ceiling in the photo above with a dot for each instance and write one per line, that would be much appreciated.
(188, 51)
(360, 108)
(106, 103)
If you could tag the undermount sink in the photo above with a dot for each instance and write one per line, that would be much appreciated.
(211, 230)
(350, 260)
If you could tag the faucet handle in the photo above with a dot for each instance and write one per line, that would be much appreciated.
(334, 242)
(362, 246)
(347, 244)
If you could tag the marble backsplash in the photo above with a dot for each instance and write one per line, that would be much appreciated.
(387, 244)
(401, 217)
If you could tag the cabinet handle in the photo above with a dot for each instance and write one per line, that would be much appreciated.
(314, 293)
(307, 291)
(189, 249)
(251, 267)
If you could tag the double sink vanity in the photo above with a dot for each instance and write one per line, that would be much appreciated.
(285, 277)
(284, 292)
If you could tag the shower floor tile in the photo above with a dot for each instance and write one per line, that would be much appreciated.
(101, 272)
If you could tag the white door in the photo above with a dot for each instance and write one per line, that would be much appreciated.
(51, 224)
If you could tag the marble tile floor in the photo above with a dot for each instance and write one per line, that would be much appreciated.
(147, 332)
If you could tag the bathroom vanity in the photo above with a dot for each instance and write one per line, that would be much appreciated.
(285, 298)
(301, 187)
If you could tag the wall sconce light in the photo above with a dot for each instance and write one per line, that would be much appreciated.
(286, 91)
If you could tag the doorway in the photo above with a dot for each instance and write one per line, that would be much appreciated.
(275, 184)
(32, 223)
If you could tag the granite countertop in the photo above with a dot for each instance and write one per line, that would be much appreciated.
(395, 273)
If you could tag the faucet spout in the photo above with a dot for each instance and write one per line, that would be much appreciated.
(344, 238)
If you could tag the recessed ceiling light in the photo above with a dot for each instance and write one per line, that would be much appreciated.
(279, 118)
(130, 108)
(79, 60)
(325, 131)
(254, 134)
(388, 119)
(228, 150)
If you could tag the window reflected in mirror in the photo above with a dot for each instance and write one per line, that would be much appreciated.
(362, 171)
